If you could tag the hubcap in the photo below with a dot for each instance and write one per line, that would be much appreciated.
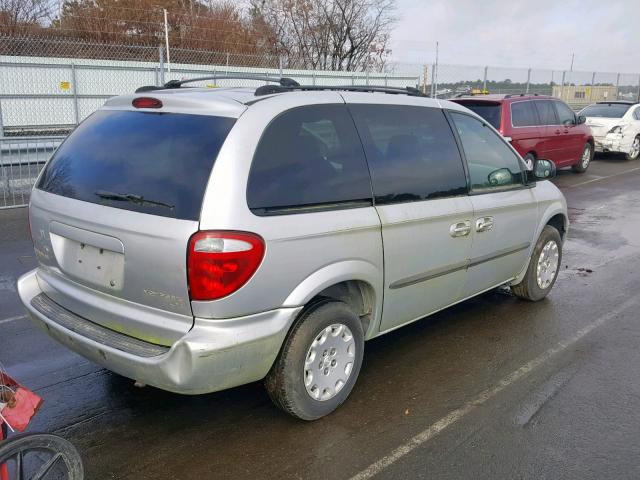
(635, 148)
(329, 362)
(547, 264)
(529, 163)
(586, 157)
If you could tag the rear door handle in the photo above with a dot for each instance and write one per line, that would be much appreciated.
(484, 224)
(558, 132)
(460, 229)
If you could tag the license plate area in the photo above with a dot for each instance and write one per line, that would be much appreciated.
(89, 264)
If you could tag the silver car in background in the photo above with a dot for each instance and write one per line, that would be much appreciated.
(196, 239)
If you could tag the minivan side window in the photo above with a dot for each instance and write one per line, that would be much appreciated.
(565, 114)
(411, 151)
(307, 157)
(636, 114)
(546, 112)
(523, 114)
(492, 164)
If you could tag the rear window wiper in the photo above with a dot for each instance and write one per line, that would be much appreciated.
(130, 197)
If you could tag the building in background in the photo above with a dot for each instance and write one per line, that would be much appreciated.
(579, 96)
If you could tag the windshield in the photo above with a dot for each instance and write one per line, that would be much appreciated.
(606, 110)
(491, 112)
(156, 163)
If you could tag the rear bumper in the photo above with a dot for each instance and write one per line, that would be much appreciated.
(212, 356)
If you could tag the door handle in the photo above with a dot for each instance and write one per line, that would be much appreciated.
(460, 229)
(484, 224)
(558, 132)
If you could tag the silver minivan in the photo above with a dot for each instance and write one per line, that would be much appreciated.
(198, 239)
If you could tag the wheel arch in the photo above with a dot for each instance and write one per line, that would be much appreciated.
(354, 282)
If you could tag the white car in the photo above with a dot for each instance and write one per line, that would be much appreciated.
(615, 127)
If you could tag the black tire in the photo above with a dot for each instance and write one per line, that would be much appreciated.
(528, 288)
(68, 463)
(285, 383)
(529, 160)
(582, 166)
(637, 154)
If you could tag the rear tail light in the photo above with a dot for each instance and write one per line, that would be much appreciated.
(219, 263)
(146, 102)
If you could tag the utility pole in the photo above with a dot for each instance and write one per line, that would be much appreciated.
(572, 57)
(166, 40)
(435, 76)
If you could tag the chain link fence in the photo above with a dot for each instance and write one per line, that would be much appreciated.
(49, 85)
(578, 89)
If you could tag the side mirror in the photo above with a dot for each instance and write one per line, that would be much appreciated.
(500, 177)
(542, 170)
(581, 119)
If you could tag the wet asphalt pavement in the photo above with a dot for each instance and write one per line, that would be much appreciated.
(491, 388)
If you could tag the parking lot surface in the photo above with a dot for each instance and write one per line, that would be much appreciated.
(492, 388)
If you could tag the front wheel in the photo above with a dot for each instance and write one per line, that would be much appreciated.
(585, 159)
(319, 362)
(543, 267)
(634, 153)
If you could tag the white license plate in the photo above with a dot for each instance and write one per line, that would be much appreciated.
(89, 264)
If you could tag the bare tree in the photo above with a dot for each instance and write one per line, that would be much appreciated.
(326, 34)
(19, 17)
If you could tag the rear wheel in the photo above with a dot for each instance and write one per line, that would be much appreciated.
(585, 159)
(319, 362)
(543, 267)
(634, 153)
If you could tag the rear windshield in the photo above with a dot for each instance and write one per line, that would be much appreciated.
(606, 110)
(491, 112)
(156, 163)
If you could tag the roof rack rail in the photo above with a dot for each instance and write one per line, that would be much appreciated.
(269, 89)
(283, 81)
(511, 95)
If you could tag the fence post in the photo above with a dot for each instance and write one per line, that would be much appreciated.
(593, 84)
(433, 76)
(484, 82)
(161, 59)
(156, 76)
(528, 80)
(353, 79)
(75, 93)
(367, 77)
(564, 73)
(617, 86)
(313, 78)
(638, 102)
(280, 65)
(385, 80)
(1, 124)
(425, 73)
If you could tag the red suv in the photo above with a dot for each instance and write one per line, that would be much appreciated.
(538, 127)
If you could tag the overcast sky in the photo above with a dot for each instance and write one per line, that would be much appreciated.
(603, 34)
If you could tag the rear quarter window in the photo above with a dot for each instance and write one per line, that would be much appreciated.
(155, 163)
(309, 158)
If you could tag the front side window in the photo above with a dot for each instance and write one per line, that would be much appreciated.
(565, 114)
(523, 114)
(411, 151)
(492, 164)
(636, 114)
(309, 157)
(546, 112)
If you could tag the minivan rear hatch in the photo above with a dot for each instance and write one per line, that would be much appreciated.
(489, 110)
(112, 213)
